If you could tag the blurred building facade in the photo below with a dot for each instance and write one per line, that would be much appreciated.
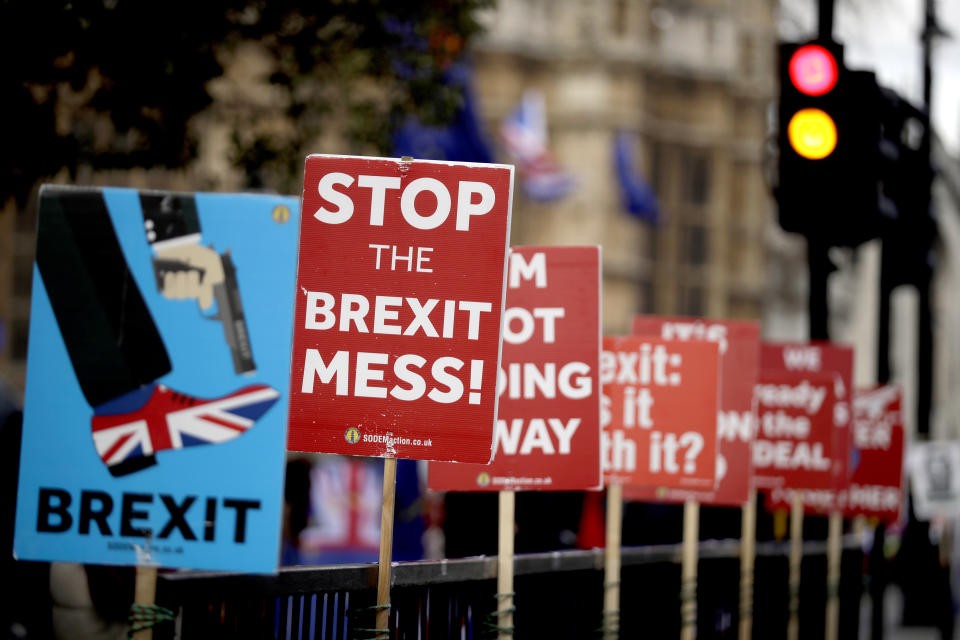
(692, 81)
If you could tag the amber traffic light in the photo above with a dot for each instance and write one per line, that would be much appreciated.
(828, 145)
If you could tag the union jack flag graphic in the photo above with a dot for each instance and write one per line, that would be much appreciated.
(172, 420)
(524, 134)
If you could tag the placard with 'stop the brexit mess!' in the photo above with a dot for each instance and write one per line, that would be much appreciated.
(399, 302)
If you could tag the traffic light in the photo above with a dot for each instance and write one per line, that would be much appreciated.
(829, 129)
(907, 177)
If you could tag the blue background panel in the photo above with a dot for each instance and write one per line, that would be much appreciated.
(58, 450)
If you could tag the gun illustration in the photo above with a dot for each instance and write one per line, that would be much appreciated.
(229, 307)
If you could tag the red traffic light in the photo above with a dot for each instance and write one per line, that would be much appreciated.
(813, 70)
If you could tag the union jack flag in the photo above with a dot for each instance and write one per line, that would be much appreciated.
(524, 134)
(171, 420)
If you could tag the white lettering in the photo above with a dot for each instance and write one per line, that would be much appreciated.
(381, 314)
(314, 366)
(454, 385)
(342, 201)
(465, 205)
(408, 203)
(536, 269)
(378, 186)
(325, 310)
(401, 368)
(365, 375)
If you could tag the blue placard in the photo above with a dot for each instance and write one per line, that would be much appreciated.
(154, 431)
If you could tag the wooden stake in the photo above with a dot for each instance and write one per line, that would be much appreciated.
(386, 544)
(748, 535)
(781, 523)
(611, 565)
(688, 570)
(145, 594)
(833, 575)
(505, 566)
(796, 555)
(859, 527)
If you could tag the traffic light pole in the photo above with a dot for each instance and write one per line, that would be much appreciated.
(825, 19)
(925, 317)
(820, 268)
(906, 241)
(930, 29)
(925, 578)
(818, 260)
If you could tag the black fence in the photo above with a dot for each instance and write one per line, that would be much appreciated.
(558, 595)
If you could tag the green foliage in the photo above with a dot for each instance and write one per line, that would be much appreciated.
(114, 84)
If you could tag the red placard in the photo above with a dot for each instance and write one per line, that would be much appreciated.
(400, 289)
(548, 423)
(659, 412)
(819, 357)
(876, 483)
(794, 443)
(739, 346)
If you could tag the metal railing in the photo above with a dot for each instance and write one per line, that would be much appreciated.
(558, 595)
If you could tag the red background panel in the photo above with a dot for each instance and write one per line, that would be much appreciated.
(821, 357)
(464, 265)
(876, 483)
(876, 480)
(573, 284)
(820, 433)
(690, 406)
(739, 345)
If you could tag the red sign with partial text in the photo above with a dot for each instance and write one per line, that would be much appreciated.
(659, 412)
(821, 357)
(739, 347)
(837, 360)
(548, 422)
(794, 443)
(400, 289)
(876, 481)
(875, 487)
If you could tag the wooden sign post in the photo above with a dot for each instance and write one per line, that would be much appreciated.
(834, 550)
(548, 416)
(386, 546)
(505, 566)
(688, 570)
(796, 556)
(647, 385)
(145, 595)
(748, 534)
(611, 565)
(738, 345)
